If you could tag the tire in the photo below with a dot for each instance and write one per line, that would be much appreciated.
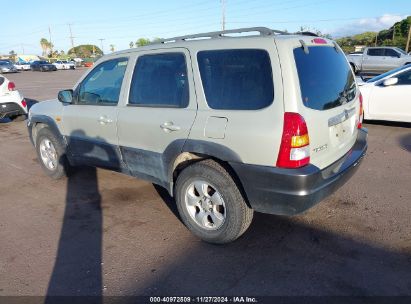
(228, 214)
(61, 165)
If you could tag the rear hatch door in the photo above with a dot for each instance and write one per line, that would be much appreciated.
(329, 100)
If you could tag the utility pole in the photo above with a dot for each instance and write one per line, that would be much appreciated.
(51, 44)
(71, 36)
(393, 33)
(101, 42)
(376, 38)
(223, 14)
(408, 40)
(22, 47)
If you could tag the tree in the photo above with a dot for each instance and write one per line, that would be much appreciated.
(394, 36)
(112, 47)
(131, 44)
(13, 55)
(142, 42)
(85, 51)
(45, 45)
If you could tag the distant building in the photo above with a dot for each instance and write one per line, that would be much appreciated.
(26, 58)
(359, 48)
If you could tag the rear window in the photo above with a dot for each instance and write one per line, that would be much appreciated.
(1, 80)
(236, 79)
(326, 79)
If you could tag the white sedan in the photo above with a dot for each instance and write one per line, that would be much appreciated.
(64, 65)
(22, 66)
(12, 103)
(388, 96)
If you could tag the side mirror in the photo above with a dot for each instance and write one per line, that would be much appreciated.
(390, 81)
(65, 96)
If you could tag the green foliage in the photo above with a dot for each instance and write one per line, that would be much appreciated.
(85, 51)
(142, 42)
(394, 36)
(131, 44)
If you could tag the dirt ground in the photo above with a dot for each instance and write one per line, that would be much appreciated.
(103, 233)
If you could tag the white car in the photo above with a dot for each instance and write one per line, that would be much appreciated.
(64, 65)
(22, 66)
(12, 103)
(388, 96)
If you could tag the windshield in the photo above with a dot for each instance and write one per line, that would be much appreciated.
(379, 77)
(326, 79)
(401, 51)
(43, 62)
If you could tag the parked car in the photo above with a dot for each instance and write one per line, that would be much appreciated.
(22, 66)
(7, 67)
(388, 96)
(228, 125)
(12, 103)
(88, 64)
(64, 65)
(378, 59)
(42, 66)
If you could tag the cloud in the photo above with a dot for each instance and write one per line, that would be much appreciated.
(367, 25)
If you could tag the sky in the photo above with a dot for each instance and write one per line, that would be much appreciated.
(121, 21)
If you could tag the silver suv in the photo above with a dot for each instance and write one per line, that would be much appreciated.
(229, 124)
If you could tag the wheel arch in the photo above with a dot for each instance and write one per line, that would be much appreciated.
(37, 122)
(196, 151)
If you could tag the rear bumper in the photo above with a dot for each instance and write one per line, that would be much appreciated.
(292, 191)
(9, 109)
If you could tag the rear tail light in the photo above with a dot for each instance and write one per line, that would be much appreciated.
(24, 103)
(11, 86)
(359, 125)
(295, 142)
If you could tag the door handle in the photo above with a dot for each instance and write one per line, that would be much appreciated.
(169, 127)
(104, 120)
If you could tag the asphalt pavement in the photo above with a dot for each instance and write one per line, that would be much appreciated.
(103, 233)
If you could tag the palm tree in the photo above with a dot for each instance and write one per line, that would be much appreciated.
(112, 47)
(44, 46)
(131, 44)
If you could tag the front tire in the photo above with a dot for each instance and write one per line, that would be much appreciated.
(51, 154)
(210, 203)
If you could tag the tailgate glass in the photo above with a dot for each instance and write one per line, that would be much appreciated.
(326, 79)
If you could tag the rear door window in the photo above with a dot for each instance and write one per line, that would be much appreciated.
(238, 79)
(326, 79)
(376, 52)
(160, 80)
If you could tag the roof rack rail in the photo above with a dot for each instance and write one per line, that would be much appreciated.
(264, 31)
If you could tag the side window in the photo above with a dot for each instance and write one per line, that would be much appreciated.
(102, 86)
(375, 52)
(391, 53)
(239, 79)
(160, 80)
(404, 78)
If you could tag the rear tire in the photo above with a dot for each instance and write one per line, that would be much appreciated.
(51, 154)
(210, 203)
